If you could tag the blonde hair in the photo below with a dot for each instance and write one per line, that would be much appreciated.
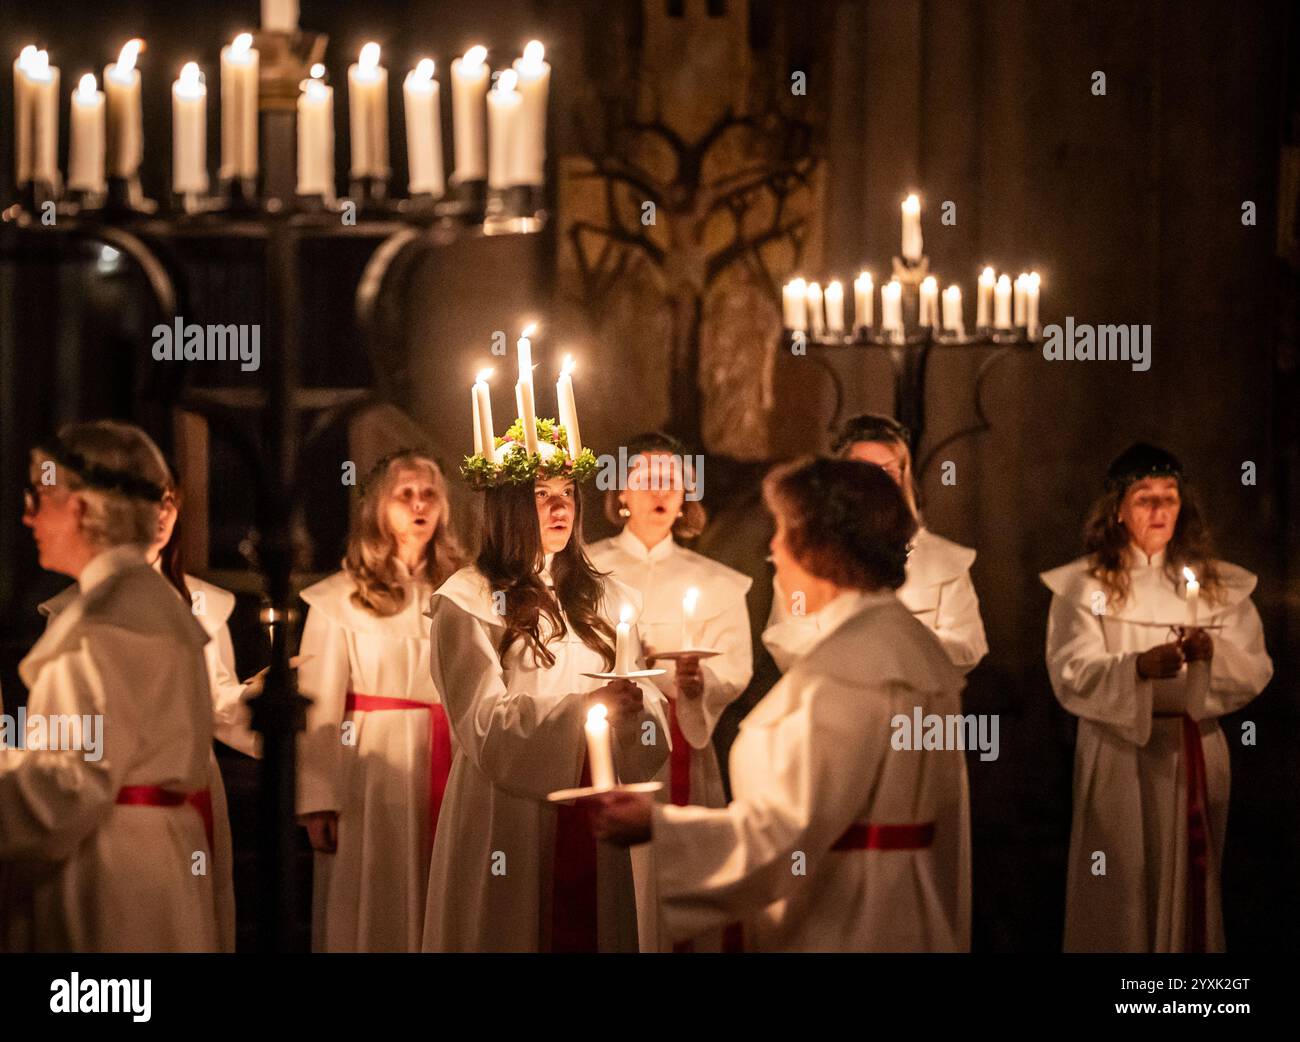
(371, 557)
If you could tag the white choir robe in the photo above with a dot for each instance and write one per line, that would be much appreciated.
(938, 591)
(1130, 785)
(84, 873)
(662, 575)
(518, 731)
(211, 606)
(374, 772)
(812, 759)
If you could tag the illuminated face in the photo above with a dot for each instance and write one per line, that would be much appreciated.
(654, 495)
(1150, 512)
(885, 455)
(556, 508)
(54, 516)
(413, 508)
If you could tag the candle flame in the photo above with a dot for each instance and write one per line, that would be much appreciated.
(190, 76)
(987, 277)
(86, 87)
(483, 375)
(473, 58)
(369, 58)
(529, 330)
(911, 205)
(26, 56)
(864, 277)
(38, 66)
(318, 71)
(834, 284)
(625, 614)
(690, 599)
(241, 45)
(567, 367)
(424, 69)
(597, 714)
(1033, 280)
(893, 287)
(127, 57)
(534, 52)
(798, 284)
(1004, 282)
(930, 284)
(953, 292)
(1189, 575)
(506, 80)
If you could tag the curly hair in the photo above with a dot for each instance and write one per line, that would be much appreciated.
(845, 521)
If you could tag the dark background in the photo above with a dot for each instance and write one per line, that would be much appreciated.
(1130, 205)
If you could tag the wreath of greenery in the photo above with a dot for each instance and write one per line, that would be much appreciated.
(518, 467)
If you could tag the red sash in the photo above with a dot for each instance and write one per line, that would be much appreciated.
(679, 760)
(439, 742)
(573, 890)
(860, 836)
(157, 796)
(1198, 830)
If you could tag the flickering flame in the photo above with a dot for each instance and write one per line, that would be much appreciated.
(1004, 283)
(597, 714)
(566, 369)
(318, 71)
(506, 80)
(911, 205)
(798, 285)
(190, 78)
(473, 58)
(26, 56)
(953, 292)
(1033, 280)
(38, 68)
(893, 287)
(368, 62)
(241, 45)
(529, 330)
(987, 277)
(930, 284)
(864, 278)
(127, 57)
(1189, 575)
(483, 375)
(424, 69)
(625, 614)
(86, 88)
(690, 600)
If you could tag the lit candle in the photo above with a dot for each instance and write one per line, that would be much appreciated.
(423, 130)
(952, 317)
(1018, 290)
(36, 117)
(86, 141)
(891, 306)
(984, 299)
(22, 118)
(125, 121)
(505, 109)
(864, 297)
(600, 751)
(690, 602)
(794, 304)
(469, 81)
(368, 112)
(624, 652)
(912, 247)
(316, 137)
(534, 74)
(929, 312)
(484, 436)
(1002, 303)
(524, 390)
(280, 15)
(835, 306)
(239, 72)
(568, 408)
(189, 132)
(816, 317)
(1032, 284)
(1193, 595)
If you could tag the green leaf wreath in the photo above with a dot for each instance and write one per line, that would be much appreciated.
(518, 467)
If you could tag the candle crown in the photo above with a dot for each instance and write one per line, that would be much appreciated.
(511, 464)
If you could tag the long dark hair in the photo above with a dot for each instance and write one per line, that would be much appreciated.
(512, 559)
(171, 557)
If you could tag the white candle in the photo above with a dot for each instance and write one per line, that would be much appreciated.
(368, 114)
(568, 407)
(1032, 284)
(952, 317)
(624, 652)
(239, 72)
(816, 317)
(125, 120)
(36, 117)
(891, 306)
(524, 390)
(1002, 303)
(1018, 299)
(469, 82)
(835, 306)
(1193, 595)
(484, 436)
(280, 15)
(423, 130)
(600, 751)
(984, 299)
(189, 131)
(316, 138)
(534, 74)
(505, 110)
(912, 243)
(864, 298)
(794, 304)
(22, 118)
(929, 311)
(690, 604)
(86, 141)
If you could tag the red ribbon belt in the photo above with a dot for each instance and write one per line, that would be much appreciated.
(439, 742)
(573, 877)
(860, 836)
(679, 760)
(1198, 830)
(157, 796)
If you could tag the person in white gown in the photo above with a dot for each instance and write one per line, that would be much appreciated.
(653, 510)
(212, 607)
(373, 761)
(938, 590)
(514, 638)
(838, 837)
(107, 850)
(1148, 669)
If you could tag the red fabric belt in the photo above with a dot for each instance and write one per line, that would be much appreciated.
(1198, 830)
(439, 742)
(573, 878)
(679, 764)
(157, 796)
(859, 836)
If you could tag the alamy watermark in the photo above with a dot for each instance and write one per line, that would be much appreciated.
(63, 732)
(233, 342)
(652, 472)
(1086, 343)
(978, 731)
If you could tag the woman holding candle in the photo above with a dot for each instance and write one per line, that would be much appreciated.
(512, 638)
(1151, 773)
(938, 589)
(834, 840)
(691, 602)
(375, 755)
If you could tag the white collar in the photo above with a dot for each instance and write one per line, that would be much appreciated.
(109, 563)
(847, 604)
(1138, 559)
(545, 574)
(634, 548)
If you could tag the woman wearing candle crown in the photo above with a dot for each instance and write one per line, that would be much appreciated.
(511, 639)
(653, 509)
(938, 589)
(376, 752)
(1148, 670)
(837, 838)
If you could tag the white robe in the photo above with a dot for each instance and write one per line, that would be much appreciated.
(212, 607)
(662, 575)
(1130, 789)
(84, 873)
(813, 758)
(938, 591)
(369, 895)
(518, 736)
